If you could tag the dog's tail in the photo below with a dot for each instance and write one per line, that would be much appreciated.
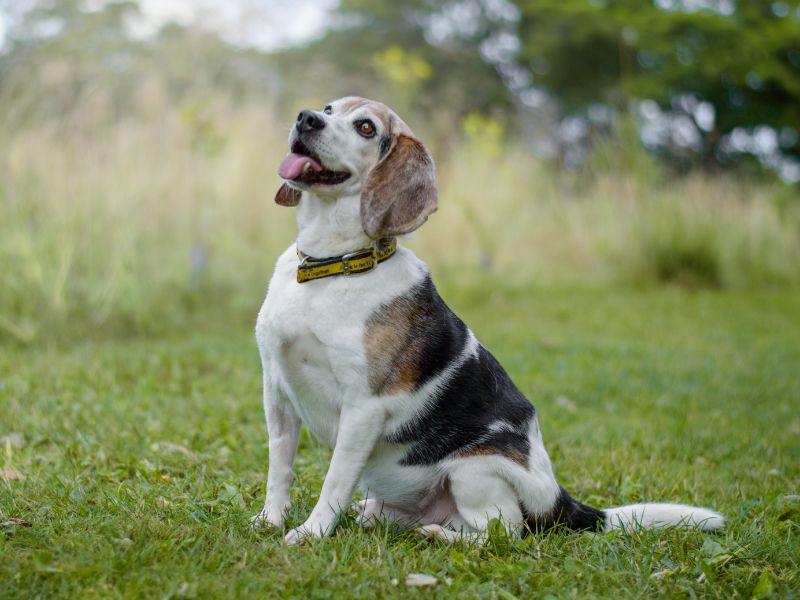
(662, 515)
(580, 517)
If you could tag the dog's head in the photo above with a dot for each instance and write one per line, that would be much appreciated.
(358, 146)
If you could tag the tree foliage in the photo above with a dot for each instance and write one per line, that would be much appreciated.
(709, 82)
(742, 58)
(739, 60)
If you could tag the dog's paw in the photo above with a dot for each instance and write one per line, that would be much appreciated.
(297, 535)
(313, 528)
(430, 532)
(369, 513)
(437, 532)
(267, 518)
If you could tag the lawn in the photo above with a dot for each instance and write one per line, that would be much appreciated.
(131, 467)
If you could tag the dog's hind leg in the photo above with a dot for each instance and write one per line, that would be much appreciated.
(480, 493)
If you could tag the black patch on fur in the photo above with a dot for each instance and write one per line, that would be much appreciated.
(567, 512)
(477, 395)
(442, 333)
(386, 144)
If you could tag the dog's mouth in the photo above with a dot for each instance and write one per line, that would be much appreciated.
(303, 166)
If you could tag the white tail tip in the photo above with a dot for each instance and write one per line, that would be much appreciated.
(662, 515)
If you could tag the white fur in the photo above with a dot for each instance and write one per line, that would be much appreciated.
(662, 515)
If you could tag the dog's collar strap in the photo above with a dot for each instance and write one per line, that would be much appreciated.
(360, 261)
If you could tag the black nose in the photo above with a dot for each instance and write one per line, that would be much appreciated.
(309, 121)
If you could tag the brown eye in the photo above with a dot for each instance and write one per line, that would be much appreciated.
(365, 128)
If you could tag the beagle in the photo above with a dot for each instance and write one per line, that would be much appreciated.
(357, 344)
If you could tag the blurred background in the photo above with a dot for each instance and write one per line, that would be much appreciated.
(578, 143)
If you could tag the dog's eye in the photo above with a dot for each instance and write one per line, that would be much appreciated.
(328, 110)
(365, 127)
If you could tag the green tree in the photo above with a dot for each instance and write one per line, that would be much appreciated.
(743, 58)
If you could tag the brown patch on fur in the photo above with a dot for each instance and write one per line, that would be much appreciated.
(513, 455)
(479, 451)
(351, 103)
(394, 347)
(287, 195)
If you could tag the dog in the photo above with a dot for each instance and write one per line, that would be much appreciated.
(356, 343)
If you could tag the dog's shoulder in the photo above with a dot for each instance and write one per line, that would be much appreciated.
(411, 338)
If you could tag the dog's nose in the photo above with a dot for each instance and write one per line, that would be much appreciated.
(309, 121)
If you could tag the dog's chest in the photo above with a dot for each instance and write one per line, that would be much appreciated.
(312, 335)
(310, 382)
(312, 338)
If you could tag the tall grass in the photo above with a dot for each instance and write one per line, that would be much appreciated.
(140, 226)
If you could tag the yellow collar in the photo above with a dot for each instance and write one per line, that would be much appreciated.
(360, 261)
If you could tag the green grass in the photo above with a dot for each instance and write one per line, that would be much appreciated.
(144, 459)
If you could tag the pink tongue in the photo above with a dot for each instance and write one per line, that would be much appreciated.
(293, 165)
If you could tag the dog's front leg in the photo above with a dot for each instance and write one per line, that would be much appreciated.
(359, 428)
(283, 428)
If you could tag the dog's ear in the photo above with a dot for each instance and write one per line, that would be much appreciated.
(400, 191)
(287, 195)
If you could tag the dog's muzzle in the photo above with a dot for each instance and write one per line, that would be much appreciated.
(302, 165)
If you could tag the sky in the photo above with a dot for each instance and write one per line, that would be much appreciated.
(266, 24)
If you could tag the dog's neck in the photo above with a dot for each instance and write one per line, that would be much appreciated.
(330, 226)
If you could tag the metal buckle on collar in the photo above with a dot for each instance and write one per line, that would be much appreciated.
(347, 269)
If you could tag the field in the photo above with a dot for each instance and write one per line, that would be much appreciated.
(131, 466)
(625, 238)
(651, 319)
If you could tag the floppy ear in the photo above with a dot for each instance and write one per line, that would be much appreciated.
(400, 191)
(287, 195)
